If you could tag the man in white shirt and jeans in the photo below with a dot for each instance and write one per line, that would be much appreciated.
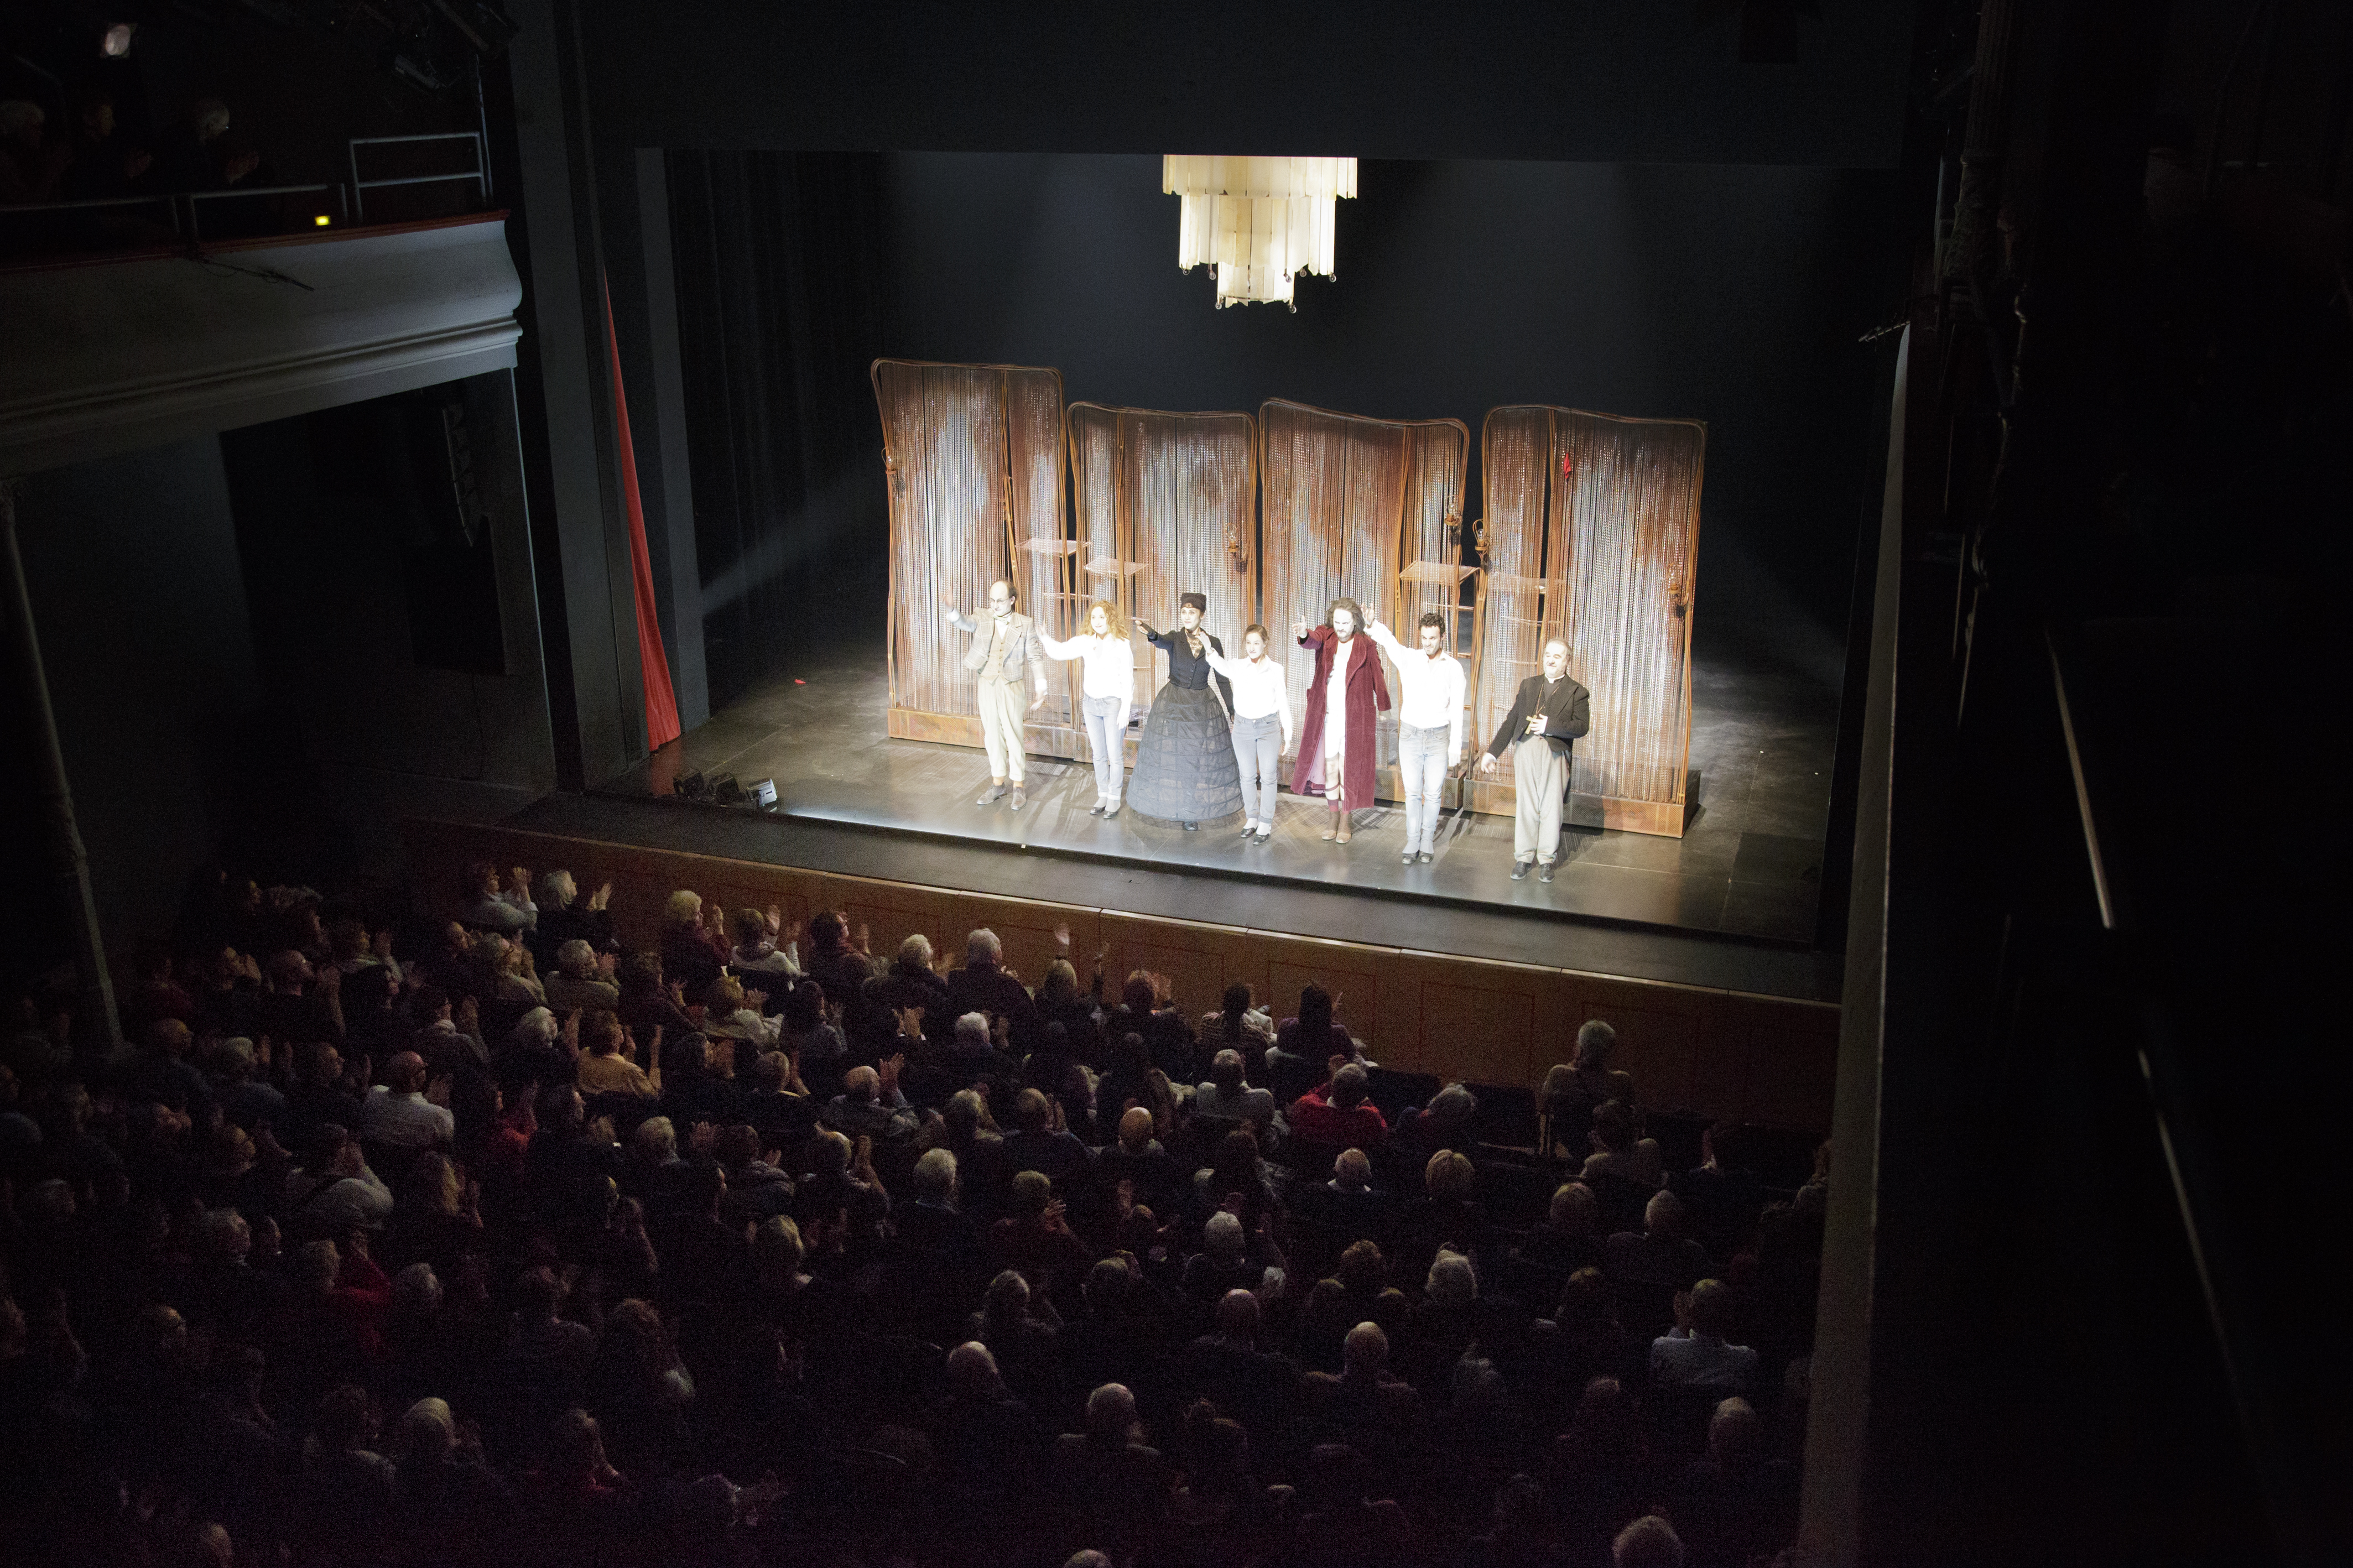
(1261, 727)
(1429, 726)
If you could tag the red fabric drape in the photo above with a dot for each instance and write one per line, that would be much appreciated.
(661, 703)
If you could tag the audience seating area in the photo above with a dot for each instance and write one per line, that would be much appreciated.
(493, 1222)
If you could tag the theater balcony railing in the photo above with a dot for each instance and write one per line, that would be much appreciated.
(107, 353)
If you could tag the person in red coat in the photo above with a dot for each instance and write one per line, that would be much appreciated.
(1337, 743)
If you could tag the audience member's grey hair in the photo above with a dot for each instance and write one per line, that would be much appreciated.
(982, 946)
(576, 958)
(1453, 1103)
(537, 1027)
(556, 889)
(1354, 1168)
(1367, 1348)
(1222, 1237)
(915, 953)
(1595, 1040)
(1663, 1213)
(1649, 1543)
(971, 1028)
(1111, 1412)
(935, 1175)
(1090, 1558)
(656, 1137)
(1452, 1281)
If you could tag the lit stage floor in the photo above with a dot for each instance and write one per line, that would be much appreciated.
(1747, 867)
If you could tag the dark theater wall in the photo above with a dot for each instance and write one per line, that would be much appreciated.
(1730, 294)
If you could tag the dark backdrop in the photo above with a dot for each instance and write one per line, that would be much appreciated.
(1732, 294)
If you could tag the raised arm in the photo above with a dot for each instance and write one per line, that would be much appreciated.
(1385, 639)
(1057, 648)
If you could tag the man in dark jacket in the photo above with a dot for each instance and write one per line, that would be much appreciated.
(1549, 713)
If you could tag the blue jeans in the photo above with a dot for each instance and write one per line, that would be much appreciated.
(1421, 762)
(1258, 753)
(1108, 740)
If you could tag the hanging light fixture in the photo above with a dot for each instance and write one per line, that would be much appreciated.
(1259, 221)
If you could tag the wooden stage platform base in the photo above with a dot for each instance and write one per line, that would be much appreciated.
(1720, 1053)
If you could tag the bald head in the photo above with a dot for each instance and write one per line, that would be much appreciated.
(1365, 1350)
(1111, 1413)
(972, 1371)
(1135, 1129)
(1238, 1316)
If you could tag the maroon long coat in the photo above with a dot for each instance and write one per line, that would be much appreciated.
(1369, 689)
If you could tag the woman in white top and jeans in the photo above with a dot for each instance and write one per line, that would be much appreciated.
(1261, 713)
(1109, 684)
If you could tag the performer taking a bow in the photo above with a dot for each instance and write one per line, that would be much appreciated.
(1337, 742)
(1261, 689)
(1184, 763)
(1109, 683)
(1004, 644)
(1549, 712)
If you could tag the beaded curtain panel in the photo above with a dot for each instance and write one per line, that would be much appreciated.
(1340, 495)
(973, 465)
(1168, 504)
(1592, 535)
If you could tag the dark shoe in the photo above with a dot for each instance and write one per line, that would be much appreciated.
(1426, 857)
(1544, 872)
(1020, 798)
(1111, 811)
(1519, 870)
(994, 794)
(1098, 810)
(1410, 857)
(1249, 828)
(1192, 827)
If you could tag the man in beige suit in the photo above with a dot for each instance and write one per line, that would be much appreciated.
(1004, 644)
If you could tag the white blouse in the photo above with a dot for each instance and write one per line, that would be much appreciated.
(1259, 689)
(1110, 663)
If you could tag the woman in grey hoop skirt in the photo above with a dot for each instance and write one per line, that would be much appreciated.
(1184, 769)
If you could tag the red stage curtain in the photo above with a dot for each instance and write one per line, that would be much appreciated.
(661, 703)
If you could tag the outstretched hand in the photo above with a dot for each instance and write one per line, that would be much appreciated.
(1487, 763)
(1299, 629)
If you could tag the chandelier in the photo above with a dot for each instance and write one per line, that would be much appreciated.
(1259, 221)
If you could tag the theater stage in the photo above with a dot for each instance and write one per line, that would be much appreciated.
(1732, 903)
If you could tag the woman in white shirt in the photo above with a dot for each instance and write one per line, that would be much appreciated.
(1109, 683)
(1261, 727)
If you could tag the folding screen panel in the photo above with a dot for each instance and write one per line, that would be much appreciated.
(1167, 505)
(1340, 495)
(1592, 535)
(973, 466)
